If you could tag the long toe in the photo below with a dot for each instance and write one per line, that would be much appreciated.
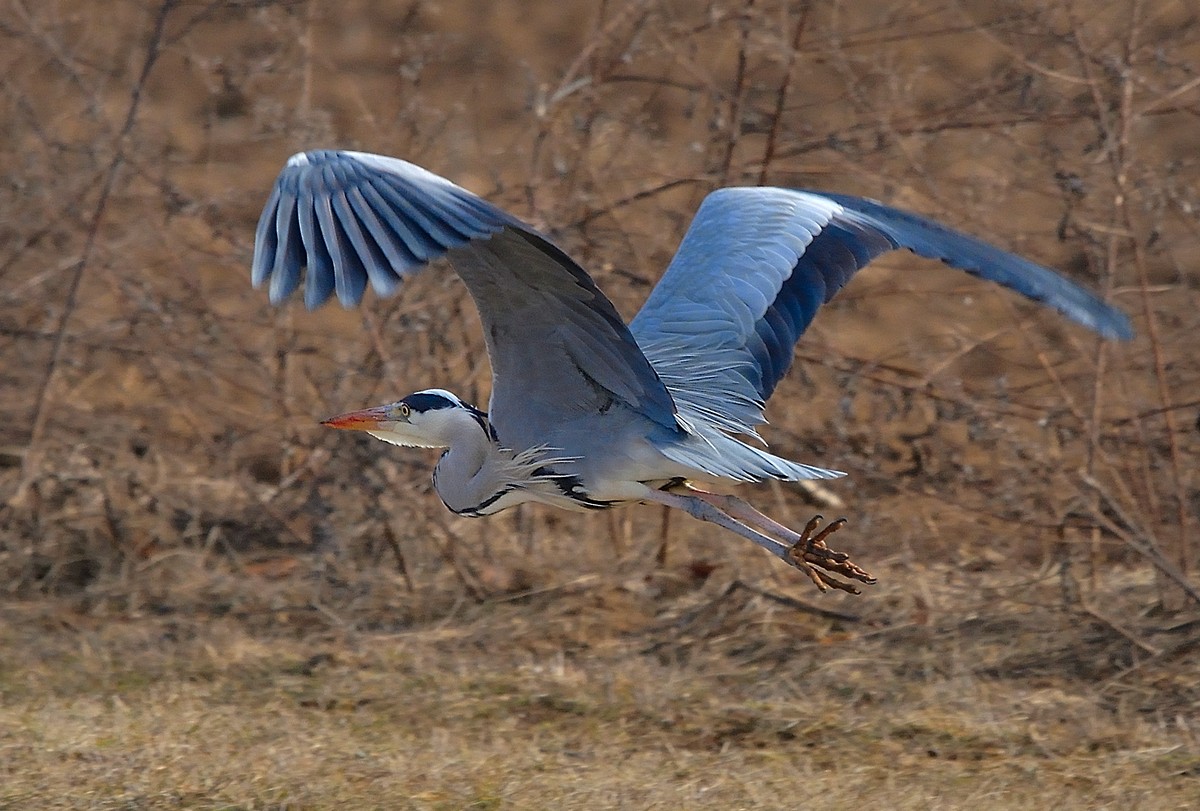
(810, 551)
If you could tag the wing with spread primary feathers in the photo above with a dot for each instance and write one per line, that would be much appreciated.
(757, 263)
(340, 220)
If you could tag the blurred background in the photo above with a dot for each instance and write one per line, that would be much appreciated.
(1027, 494)
(152, 397)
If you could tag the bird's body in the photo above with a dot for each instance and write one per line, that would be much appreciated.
(587, 412)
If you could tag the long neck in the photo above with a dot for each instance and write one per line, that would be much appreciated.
(463, 478)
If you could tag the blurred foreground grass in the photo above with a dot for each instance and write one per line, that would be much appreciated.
(707, 699)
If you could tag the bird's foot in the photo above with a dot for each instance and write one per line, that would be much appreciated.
(811, 555)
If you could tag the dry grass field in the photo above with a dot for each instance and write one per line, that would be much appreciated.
(209, 602)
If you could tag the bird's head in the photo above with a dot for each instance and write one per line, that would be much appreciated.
(432, 418)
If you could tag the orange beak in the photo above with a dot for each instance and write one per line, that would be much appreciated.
(364, 420)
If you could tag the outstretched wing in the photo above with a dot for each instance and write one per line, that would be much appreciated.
(342, 219)
(757, 263)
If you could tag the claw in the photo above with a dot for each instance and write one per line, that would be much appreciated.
(830, 528)
(810, 551)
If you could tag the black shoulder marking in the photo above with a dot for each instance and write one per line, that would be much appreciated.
(572, 487)
(481, 417)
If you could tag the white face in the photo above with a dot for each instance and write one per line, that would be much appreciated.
(403, 433)
(414, 429)
(426, 419)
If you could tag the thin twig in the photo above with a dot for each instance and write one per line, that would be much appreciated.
(389, 537)
(1129, 635)
(638, 196)
(1139, 540)
(738, 97)
(1120, 152)
(781, 95)
(1166, 654)
(792, 602)
(40, 411)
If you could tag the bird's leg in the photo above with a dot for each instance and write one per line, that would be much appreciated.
(743, 511)
(698, 507)
(804, 546)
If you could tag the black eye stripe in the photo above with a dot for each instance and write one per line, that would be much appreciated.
(423, 402)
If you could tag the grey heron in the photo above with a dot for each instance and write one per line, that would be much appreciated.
(587, 412)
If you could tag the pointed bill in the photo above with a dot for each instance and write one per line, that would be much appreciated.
(364, 420)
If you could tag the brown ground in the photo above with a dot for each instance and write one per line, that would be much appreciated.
(211, 603)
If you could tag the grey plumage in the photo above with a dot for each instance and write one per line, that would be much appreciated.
(590, 411)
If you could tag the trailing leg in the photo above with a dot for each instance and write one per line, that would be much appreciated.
(802, 550)
(805, 547)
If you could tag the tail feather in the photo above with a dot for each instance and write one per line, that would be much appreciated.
(718, 454)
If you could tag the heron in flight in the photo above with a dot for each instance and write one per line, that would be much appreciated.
(586, 411)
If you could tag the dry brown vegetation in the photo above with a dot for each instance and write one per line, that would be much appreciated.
(211, 603)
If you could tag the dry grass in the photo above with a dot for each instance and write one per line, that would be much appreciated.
(605, 695)
(210, 603)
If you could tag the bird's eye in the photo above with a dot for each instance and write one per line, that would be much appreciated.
(405, 411)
